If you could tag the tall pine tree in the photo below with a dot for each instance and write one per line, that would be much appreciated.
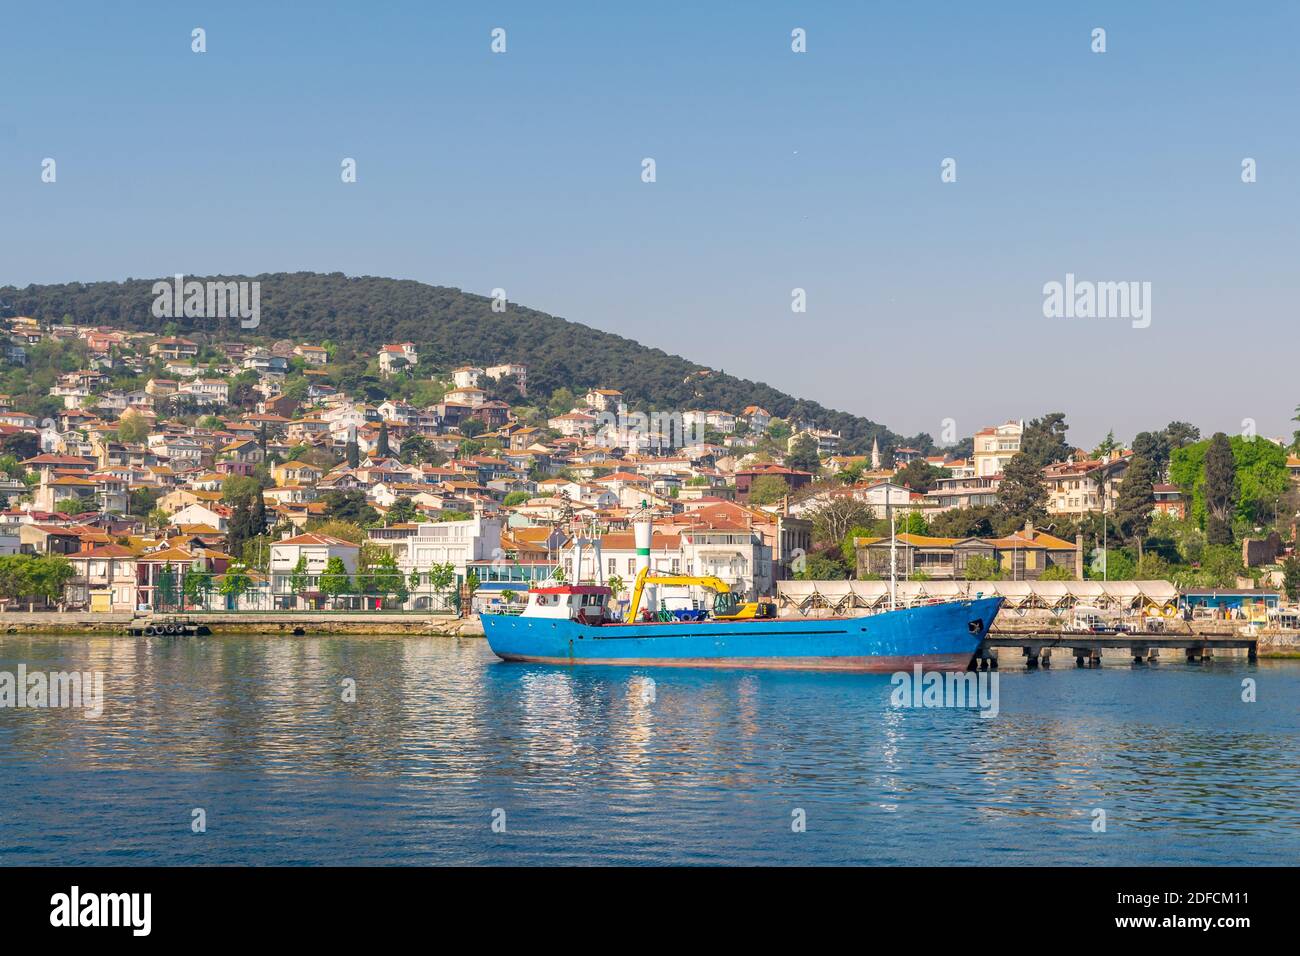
(1022, 496)
(381, 445)
(1044, 439)
(1136, 502)
(1154, 447)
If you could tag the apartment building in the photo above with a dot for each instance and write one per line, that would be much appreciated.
(417, 547)
(996, 446)
(316, 551)
(1080, 487)
(104, 579)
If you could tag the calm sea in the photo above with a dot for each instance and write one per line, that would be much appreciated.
(448, 756)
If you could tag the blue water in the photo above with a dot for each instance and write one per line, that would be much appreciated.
(584, 766)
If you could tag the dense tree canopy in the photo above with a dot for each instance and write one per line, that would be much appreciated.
(803, 454)
(1231, 479)
(349, 506)
(919, 475)
(768, 489)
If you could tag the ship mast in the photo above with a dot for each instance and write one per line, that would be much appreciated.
(893, 553)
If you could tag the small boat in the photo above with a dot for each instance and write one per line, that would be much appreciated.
(574, 624)
(1091, 620)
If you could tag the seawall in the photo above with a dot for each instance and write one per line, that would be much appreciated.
(1272, 644)
(247, 622)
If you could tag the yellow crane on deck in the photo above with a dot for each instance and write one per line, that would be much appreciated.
(725, 605)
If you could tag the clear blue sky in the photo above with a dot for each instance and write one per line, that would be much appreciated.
(775, 170)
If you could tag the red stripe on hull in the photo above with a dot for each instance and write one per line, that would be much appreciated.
(865, 665)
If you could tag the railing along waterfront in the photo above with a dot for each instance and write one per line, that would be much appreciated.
(186, 591)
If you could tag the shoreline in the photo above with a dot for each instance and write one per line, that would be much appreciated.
(247, 623)
(1280, 646)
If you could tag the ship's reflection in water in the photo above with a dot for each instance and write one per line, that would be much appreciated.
(405, 750)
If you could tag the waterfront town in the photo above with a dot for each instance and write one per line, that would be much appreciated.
(146, 472)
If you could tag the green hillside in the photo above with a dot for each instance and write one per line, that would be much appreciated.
(451, 328)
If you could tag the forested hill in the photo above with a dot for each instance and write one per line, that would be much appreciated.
(451, 328)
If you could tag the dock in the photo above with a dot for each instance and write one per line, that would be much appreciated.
(1086, 649)
(167, 626)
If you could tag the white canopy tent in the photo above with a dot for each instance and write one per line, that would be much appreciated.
(843, 597)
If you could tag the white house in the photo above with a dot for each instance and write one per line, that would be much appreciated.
(604, 399)
(473, 397)
(996, 446)
(395, 357)
(828, 442)
(573, 423)
(467, 376)
(197, 513)
(736, 554)
(757, 417)
(317, 550)
(207, 391)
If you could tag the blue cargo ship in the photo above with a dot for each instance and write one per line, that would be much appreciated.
(572, 624)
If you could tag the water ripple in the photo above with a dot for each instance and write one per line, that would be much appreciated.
(588, 766)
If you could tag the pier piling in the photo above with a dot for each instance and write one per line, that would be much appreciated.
(1087, 649)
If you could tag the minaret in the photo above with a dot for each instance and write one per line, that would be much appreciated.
(875, 455)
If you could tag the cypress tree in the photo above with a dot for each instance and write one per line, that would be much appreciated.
(240, 527)
(1220, 490)
(257, 520)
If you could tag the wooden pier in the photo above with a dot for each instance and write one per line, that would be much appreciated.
(1086, 649)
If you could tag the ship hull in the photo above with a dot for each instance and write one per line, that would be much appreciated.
(939, 637)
